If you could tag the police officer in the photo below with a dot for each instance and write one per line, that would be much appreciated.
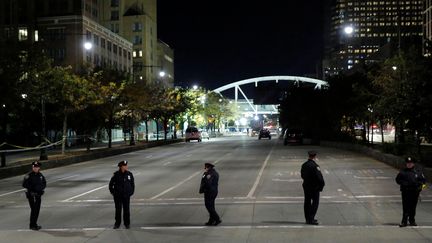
(35, 184)
(209, 186)
(411, 181)
(313, 184)
(122, 187)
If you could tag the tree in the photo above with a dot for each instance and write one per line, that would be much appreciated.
(73, 93)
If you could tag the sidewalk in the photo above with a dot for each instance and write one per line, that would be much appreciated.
(17, 163)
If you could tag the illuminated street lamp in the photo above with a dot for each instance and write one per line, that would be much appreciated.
(162, 74)
(348, 30)
(195, 87)
(88, 46)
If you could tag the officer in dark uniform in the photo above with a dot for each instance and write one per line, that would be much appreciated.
(313, 184)
(122, 187)
(411, 181)
(35, 184)
(209, 186)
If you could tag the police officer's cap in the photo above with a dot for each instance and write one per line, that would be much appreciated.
(312, 153)
(36, 164)
(122, 163)
(409, 160)
(208, 165)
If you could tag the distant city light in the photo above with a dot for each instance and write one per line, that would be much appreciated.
(162, 74)
(394, 68)
(195, 87)
(24, 96)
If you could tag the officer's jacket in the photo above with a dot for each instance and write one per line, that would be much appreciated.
(312, 176)
(209, 182)
(122, 184)
(34, 183)
(410, 179)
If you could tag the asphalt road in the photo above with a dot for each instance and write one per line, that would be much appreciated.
(260, 198)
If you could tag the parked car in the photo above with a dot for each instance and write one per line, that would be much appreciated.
(192, 133)
(264, 133)
(293, 136)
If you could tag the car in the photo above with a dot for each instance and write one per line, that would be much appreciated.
(192, 133)
(264, 133)
(293, 136)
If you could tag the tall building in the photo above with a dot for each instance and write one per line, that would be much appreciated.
(67, 30)
(166, 62)
(136, 21)
(427, 33)
(365, 31)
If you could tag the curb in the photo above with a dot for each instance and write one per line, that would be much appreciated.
(23, 168)
(390, 159)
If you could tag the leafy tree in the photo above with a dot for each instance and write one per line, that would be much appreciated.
(72, 93)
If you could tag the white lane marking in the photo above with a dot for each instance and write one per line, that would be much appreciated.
(166, 163)
(85, 193)
(288, 180)
(232, 227)
(21, 190)
(8, 193)
(180, 183)
(281, 227)
(149, 156)
(254, 187)
(175, 186)
(372, 177)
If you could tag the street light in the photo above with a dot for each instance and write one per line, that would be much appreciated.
(195, 87)
(162, 74)
(88, 46)
(348, 30)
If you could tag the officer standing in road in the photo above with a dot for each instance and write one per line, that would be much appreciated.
(35, 184)
(122, 187)
(313, 184)
(209, 186)
(411, 181)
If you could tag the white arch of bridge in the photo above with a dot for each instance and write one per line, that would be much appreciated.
(296, 79)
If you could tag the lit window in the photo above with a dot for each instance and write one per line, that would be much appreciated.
(36, 36)
(134, 54)
(140, 53)
(22, 34)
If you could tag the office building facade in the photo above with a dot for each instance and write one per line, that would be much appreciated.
(366, 31)
(136, 21)
(67, 30)
(427, 30)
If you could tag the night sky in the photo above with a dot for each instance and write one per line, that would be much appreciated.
(219, 42)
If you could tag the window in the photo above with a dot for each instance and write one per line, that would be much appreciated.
(114, 3)
(96, 40)
(103, 43)
(140, 53)
(114, 48)
(36, 36)
(88, 35)
(137, 40)
(137, 27)
(22, 34)
(114, 15)
(109, 45)
(134, 54)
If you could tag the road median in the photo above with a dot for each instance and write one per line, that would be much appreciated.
(22, 167)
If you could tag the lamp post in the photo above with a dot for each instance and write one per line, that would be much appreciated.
(43, 154)
(3, 133)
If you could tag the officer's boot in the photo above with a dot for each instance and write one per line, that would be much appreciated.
(404, 221)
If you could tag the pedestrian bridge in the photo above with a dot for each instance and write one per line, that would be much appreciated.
(248, 107)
